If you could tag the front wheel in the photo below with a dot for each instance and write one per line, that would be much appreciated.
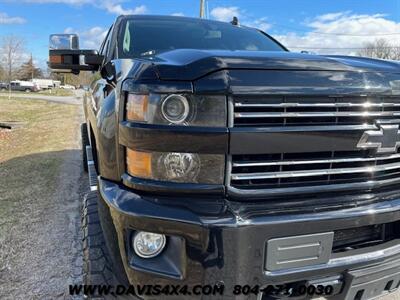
(97, 269)
(27, 90)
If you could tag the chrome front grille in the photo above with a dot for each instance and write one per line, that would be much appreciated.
(313, 171)
(294, 111)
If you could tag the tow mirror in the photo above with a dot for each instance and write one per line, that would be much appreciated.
(64, 42)
(66, 57)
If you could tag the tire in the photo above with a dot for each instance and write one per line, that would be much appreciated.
(85, 142)
(4, 90)
(97, 269)
(27, 90)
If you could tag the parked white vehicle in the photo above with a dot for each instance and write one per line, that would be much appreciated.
(44, 84)
(67, 87)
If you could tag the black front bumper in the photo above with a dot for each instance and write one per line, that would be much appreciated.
(229, 249)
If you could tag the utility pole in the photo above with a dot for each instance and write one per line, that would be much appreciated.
(201, 9)
(32, 67)
(10, 64)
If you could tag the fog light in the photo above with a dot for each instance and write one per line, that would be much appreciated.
(175, 109)
(148, 244)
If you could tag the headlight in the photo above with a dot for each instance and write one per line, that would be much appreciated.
(176, 167)
(176, 109)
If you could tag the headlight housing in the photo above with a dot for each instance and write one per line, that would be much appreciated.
(176, 167)
(177, 109)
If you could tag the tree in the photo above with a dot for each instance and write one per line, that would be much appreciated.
(2, 74)
(396, 53)
(382, 49)
(11, 51)
(29, 71)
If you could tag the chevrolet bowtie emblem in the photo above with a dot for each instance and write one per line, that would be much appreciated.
(384, 140)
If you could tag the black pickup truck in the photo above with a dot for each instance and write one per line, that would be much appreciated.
(229, 167)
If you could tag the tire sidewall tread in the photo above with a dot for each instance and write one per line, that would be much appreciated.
(97, 269)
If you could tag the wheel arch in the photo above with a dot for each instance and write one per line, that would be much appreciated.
(103, 126)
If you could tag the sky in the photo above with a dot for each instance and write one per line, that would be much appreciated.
(320, 26)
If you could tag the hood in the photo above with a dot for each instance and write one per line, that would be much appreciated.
(191, 64)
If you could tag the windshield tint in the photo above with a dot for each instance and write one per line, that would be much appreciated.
(146, 37)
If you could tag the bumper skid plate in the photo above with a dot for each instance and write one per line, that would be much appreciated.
(373, 282)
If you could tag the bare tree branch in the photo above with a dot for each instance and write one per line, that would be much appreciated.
(382, 49)
(11, 49)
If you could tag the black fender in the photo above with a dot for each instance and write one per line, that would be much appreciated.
(105, 135)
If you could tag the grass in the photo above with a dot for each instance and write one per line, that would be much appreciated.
(30, 159)
(57, 92)
(44, 126)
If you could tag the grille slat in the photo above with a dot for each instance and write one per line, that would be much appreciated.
(315, 114)
(344, 170)
(289, 174)
(289, 111)
(334, 105)
(316, 161)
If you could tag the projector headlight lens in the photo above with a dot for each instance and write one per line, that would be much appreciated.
(175, 109)
(148, 244)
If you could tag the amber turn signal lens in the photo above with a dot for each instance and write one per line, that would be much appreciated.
(55, 59)
(136, 107)
(138, 163)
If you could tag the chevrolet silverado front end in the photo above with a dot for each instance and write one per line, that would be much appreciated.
(225, 160)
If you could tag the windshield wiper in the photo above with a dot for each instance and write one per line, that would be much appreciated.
(154, 52)
(148, 53)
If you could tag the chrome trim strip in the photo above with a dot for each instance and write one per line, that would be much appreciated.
(239, 115)
(309, 173)
(334, 105)
(361, 127)
(255, 193)
(317, 161)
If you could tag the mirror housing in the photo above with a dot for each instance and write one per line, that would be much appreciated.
(108, 72)
(64, 42)
(65, 56)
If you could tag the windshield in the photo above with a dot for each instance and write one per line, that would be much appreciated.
(146, 37)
